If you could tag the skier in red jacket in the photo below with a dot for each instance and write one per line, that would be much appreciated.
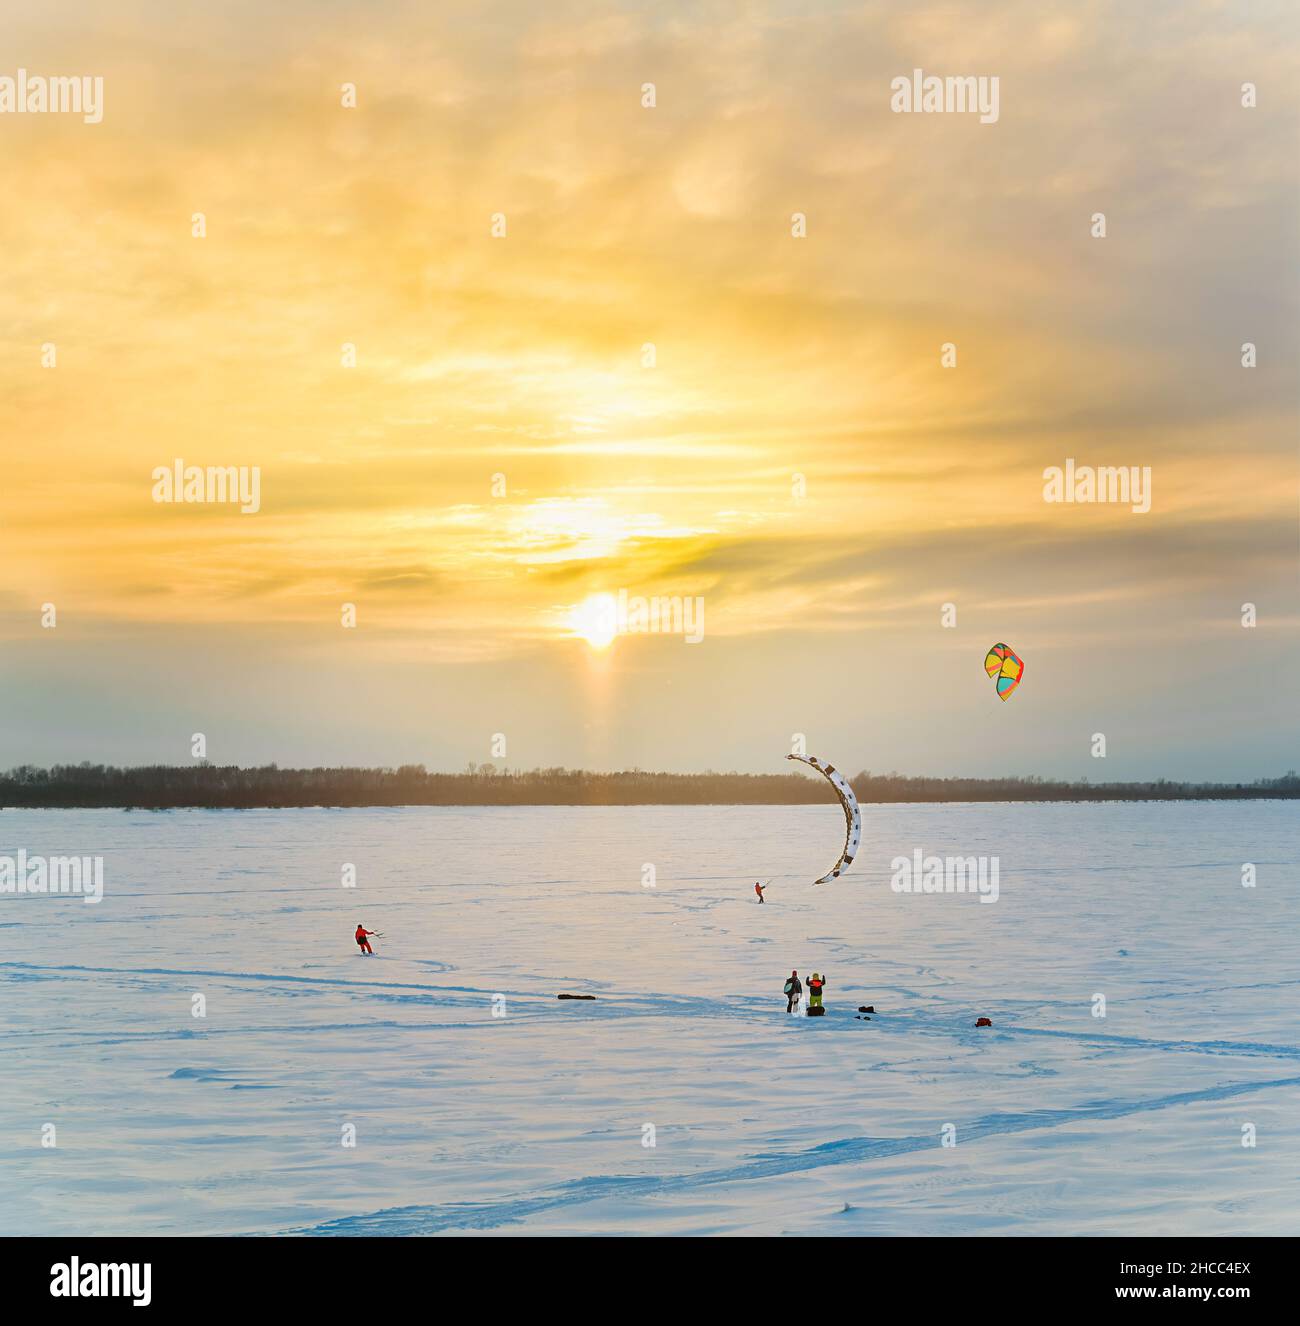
(362, 942)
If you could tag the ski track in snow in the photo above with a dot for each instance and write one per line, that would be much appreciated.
(417, 1220)
(529, 1004)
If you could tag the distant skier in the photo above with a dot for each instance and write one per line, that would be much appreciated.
(816, 984)
(758, 888)
(793, 990)
(362, 942)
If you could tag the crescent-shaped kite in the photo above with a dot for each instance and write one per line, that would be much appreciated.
(852, 815)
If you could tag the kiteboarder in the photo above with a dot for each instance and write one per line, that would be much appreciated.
(362, 942)
(816, 984)
(758, 888)
(793, 990)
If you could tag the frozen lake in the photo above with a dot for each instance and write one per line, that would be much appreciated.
(534, 1122)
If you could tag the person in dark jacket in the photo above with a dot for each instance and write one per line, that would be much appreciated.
(793, 990)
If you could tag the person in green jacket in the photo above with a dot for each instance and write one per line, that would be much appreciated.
(816, 984)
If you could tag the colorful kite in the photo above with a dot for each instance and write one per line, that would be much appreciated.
(1006, 667)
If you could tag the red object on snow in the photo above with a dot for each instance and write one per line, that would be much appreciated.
(983, 1022)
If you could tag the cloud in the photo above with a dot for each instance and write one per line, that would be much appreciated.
(780, 365)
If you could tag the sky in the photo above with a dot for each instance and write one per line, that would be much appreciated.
(515, 332)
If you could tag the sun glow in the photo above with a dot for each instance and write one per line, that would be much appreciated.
(593, 620)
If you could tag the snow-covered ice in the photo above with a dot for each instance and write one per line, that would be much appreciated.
(534, 1121)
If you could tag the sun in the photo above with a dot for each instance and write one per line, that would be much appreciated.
(594, 620)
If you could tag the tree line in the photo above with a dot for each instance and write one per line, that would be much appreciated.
(161, 786)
